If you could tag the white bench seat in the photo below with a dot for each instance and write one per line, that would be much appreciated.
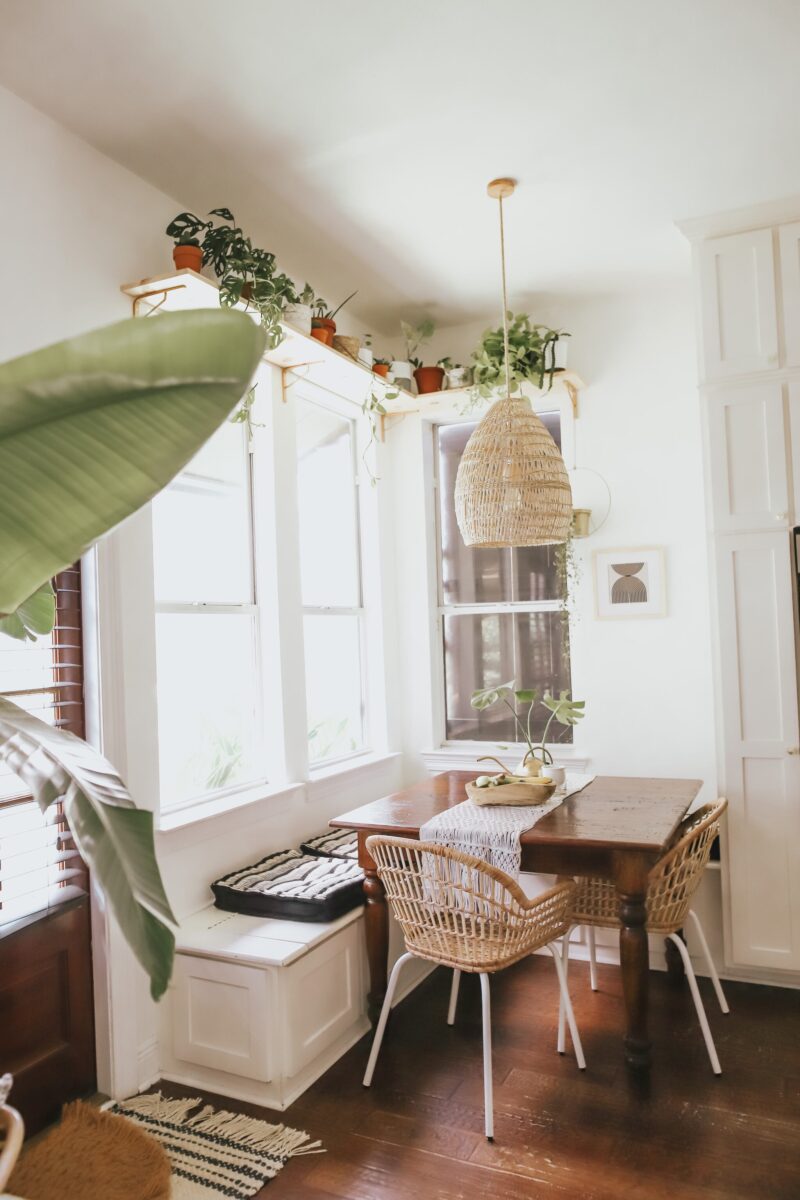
(259, 1008)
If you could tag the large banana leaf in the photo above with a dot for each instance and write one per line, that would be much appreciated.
(114, 837)
(92, 428)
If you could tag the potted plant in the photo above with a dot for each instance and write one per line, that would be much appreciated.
(563, 710)
(299, 311)
(531, 352)
(428, 379)
(374, 408)
(381, 366)
(323, 325)
(187, 231)
(456, 376)
(415, 336)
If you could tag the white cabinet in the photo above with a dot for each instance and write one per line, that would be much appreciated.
(761, 763)
(737, 283)
(789, 243)
(222, 1014)
(747, 455)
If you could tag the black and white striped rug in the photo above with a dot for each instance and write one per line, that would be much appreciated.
(214, 1153)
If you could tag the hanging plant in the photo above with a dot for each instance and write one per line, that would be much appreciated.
(374, 409)
(531, 357)
(568, 571)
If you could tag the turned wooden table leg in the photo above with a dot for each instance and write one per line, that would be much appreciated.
(631, 881)
(376, 922)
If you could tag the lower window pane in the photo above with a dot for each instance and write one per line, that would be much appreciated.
(483, 651)
(334, 692)
(208, 704)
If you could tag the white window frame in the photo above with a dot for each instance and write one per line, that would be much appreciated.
(467, 748)
(251, 610)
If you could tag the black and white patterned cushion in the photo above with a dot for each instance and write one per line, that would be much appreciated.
(334, 843)
(292, 886)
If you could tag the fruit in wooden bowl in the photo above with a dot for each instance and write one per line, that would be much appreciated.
(510, 789)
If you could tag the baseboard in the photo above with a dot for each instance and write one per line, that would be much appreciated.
(148, 1057)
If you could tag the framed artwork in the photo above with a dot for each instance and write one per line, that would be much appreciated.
(630, 583)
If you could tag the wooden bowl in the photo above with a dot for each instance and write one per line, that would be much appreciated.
(536, 792)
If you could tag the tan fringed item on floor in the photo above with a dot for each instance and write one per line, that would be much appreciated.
(92, 1155)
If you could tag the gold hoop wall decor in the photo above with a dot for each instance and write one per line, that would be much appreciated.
(512, 488)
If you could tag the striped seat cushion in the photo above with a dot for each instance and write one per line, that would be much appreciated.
(292, 885)
(334, 843)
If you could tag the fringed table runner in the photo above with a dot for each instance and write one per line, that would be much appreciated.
(214, 1153)
(492, 832)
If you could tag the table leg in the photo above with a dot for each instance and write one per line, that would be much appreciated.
(631, 882)
(376, 922)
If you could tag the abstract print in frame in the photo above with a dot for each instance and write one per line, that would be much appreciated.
(630, 583)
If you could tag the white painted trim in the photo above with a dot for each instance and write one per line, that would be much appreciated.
(741, 220)
(464, 757)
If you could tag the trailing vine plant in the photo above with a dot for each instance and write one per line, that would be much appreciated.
(568, 571)
(373, 409)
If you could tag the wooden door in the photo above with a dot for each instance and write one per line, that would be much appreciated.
(761, 762)
(737, 281)
(46, 996)
(747, 452)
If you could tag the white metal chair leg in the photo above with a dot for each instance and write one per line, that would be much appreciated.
(566, 1004)
(488, 1092)
(592, 958)
(698, 1003)
(712, 970)
(561, 1044)
(384, 1017)
(451, 1012)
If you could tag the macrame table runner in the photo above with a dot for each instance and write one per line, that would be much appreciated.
(492, 832)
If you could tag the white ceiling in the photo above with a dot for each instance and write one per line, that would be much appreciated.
(355, 138)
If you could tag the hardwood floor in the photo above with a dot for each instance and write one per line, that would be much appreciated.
(417, 1134)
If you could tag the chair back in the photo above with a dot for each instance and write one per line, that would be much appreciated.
(457, 910)
(12, 1127)
(676, 876)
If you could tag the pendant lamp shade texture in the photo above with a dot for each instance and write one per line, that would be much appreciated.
(512, 487)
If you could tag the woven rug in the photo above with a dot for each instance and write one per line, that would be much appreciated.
(214, 1153)
(91, 1155)
(492, 831)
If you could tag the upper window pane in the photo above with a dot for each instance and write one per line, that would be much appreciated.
(201, 526)
(487, 576)
(328, 508)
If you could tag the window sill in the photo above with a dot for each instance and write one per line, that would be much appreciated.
(464, 756)
(325, 780)
(216, 806)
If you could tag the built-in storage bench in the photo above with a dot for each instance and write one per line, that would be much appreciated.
(258, 1009)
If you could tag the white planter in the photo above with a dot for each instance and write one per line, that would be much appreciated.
(401, 373)
(299, 317)
(457, 377)
(366, 356)
(561, 351)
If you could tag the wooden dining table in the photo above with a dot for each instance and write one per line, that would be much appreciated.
(617, 827)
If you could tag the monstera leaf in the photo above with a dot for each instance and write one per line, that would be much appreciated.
(485, 697)
(565, 711)
(113, 836)
(92, 428)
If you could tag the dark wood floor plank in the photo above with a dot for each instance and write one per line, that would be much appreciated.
(603, 1134)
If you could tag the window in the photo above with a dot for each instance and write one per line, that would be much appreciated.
(39, 865)
(210, 730)
(500, 612)
(330, 578)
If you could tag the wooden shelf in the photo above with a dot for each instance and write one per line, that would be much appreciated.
(308, 358)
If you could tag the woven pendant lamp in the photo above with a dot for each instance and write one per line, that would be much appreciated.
(512, 487)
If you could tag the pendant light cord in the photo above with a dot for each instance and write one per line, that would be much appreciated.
(505, 296)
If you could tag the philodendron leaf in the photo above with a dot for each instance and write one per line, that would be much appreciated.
(565, 711)
(35, 617)
(114, 837)
(485, 697)
(92, 428)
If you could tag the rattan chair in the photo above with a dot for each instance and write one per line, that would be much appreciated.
(673, 882)
(458, 912)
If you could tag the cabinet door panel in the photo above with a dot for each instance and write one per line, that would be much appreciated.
(747, 454)
(794, 448)
(737, 280)
(222, 1015)
(760, 726)
(789, 241)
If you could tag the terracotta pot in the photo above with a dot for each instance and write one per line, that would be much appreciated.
(429, 379)
(187, 256)
(322, 335)
(328, 325)
(380, 369)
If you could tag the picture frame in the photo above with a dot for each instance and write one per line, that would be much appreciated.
(629, 582)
